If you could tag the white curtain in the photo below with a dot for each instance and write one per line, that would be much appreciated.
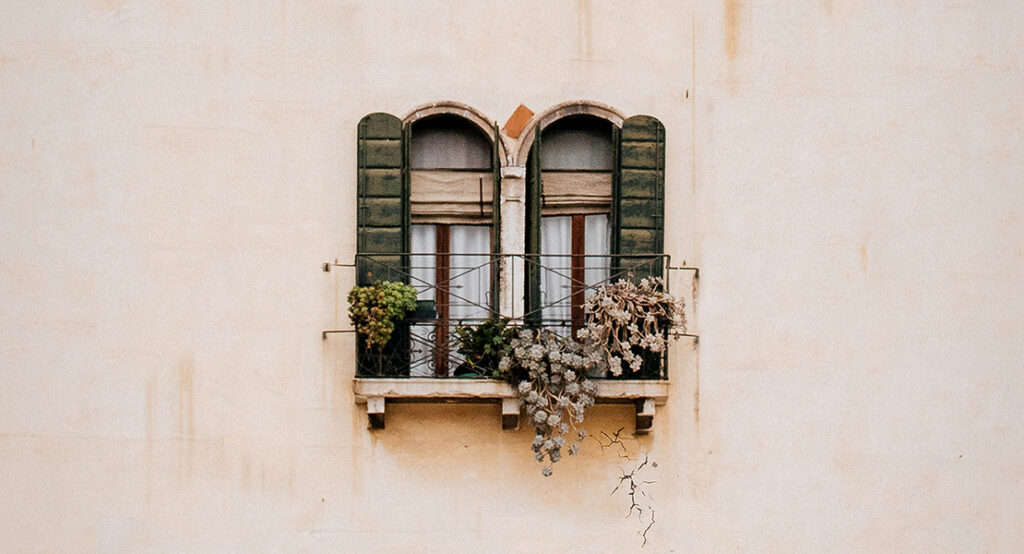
(423, 241)
(556, 269)
(470, 272)
(597, 243)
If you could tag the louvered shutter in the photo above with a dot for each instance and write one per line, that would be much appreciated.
(382, 229)
(639, 197)
(382, 220)
(534, 190)
(496, 223)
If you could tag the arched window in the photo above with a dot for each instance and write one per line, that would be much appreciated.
(451, 193)
(595, 206)
(576, 171)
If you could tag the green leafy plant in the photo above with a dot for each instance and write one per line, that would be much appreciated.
(628, 320)
(374, 309)
(549, 375)
(483, 346)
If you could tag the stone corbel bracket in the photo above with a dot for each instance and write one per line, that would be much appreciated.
(377, 393)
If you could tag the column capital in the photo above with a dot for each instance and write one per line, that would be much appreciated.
(513, 172)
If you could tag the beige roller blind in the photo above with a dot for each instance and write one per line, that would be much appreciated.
(440, 196)
(577, 192)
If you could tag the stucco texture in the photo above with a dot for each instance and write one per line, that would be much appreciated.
(848, 178)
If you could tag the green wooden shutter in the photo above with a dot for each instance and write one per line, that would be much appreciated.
(534, 189)
(496, 224)
(382, 229)
(382, 220)
(639, 197)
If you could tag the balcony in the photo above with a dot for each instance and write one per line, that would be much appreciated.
(425, 361)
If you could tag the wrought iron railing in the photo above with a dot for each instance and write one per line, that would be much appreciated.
(547, 292)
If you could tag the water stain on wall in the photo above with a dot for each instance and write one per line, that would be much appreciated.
(291, 474)
(733, 15)
(186, 398)
(186, 418)
(703, 471)
(585, 43)
(110, 5)
(150, 432)
(246, 472)
(696, 401)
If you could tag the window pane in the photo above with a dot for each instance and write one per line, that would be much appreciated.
(578, 142)
(448, 142)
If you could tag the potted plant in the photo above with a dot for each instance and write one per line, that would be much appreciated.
(482, 347)
(374, 311)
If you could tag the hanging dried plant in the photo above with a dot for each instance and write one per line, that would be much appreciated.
(627, 319)
(549, 374)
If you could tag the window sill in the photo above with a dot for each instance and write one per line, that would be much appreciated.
(377, 392)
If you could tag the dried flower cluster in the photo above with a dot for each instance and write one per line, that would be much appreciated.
(626, 318)
(551, 374)
(375, 308)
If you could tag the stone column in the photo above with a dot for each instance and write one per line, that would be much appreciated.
(513, 239)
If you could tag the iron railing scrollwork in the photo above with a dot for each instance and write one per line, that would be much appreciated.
(425, 344)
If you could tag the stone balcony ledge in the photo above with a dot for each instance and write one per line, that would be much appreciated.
(377, 392)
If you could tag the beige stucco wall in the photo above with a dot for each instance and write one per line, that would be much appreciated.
(847, 176)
